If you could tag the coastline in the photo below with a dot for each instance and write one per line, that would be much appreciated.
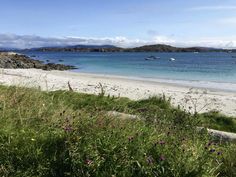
(198, 84)
(133, 88)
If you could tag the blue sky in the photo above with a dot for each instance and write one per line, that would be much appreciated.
(31, 23)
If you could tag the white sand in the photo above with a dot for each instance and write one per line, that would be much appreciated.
(186, 97)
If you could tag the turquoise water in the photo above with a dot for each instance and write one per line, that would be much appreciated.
(214, 67)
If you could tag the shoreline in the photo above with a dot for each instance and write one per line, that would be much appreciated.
(174, 82)
(204, 99)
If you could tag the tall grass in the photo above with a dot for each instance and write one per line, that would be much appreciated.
(70, 134)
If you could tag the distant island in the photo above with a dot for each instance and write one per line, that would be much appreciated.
(111, 48)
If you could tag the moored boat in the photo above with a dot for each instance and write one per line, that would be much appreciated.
(152, 58)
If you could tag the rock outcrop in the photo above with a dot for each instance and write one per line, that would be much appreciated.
(14, 60)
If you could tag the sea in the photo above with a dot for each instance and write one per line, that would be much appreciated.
(214, 70)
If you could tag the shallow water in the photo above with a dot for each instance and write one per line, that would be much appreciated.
(209, 68)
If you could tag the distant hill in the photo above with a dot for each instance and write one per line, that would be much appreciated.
(82, 48)
(2, 49)
(168, 48)
(112, 48)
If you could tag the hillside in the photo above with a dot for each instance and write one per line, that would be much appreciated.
(110, 48)
(81, 48)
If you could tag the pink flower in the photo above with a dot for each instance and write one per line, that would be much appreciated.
(162, 142)
(88, 162)
(162, 158)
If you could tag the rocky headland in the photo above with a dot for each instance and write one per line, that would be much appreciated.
(13, 60)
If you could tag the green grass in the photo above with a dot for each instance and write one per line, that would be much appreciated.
(152, 109)
(69, 134)
(218, 121)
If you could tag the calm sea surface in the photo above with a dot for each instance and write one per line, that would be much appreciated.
(214, 67)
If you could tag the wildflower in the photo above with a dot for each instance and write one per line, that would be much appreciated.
(162, 158)
(88, 162)
(162, 142)
(68, 128)
(130, 138)
(209, 144)
(212, 150)
(219, 153)
(32, 139)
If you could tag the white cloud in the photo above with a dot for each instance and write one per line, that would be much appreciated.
(213, 8)
(32, 41)
(164, 40)
(226, 43)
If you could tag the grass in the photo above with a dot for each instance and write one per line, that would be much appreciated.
(69, 134)
(218, 121)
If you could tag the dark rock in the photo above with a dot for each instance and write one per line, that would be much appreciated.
(14, 60)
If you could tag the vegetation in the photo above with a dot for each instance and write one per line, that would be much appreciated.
(70, 134)
(111, 48)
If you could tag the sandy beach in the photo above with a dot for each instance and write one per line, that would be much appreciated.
(187, 97)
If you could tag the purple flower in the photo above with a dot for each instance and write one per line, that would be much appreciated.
(162, 158)
(212, 150)
(88, 162)
(68, 128)
(209, 144)
(219, 153)
(162, 142)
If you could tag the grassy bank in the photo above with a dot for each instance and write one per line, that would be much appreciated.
(70, 134)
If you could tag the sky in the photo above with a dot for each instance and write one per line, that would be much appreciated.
(125, 23)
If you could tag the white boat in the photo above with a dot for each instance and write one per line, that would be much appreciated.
(172, 59)
(152, 58)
